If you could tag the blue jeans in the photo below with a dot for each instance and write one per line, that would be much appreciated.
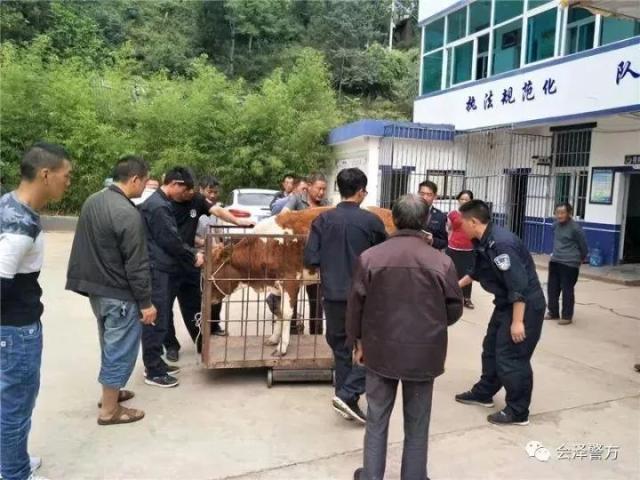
(20, 359)
(120, 329)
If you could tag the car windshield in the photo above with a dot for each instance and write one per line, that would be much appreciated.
(255, 199)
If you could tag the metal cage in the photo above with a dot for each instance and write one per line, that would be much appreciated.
(250, 315)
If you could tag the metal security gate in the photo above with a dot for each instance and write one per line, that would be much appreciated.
(512, 172)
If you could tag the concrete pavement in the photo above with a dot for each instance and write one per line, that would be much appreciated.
(229, 425)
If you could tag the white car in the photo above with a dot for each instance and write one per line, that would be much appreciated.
(252, 203)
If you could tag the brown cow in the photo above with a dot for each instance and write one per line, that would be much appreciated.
(273, 264)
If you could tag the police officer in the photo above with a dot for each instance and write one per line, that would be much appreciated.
(504, 267)
(187, 212)
(436, 221)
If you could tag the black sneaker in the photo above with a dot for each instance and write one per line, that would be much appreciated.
(349, 410)
(171, 370)
(165, 381)
(219, 332)
(470, 398)
(505, 417)
(173, 355)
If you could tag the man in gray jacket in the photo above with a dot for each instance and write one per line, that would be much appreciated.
(570, 249)
(109, 264)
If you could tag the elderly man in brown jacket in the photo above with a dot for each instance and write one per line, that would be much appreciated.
(404, 295)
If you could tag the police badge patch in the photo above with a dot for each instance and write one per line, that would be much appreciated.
(193, 213)
(503, 262)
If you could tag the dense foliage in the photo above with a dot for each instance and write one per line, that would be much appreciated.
(247, 89)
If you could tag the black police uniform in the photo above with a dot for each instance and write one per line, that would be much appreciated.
(436, 225)
(504, 267)
(188, 291)
(168, 256)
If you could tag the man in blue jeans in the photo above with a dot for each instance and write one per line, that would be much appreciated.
(45, 173)
(109, 263)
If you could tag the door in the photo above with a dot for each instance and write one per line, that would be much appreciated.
(518, 202)
(631, 246)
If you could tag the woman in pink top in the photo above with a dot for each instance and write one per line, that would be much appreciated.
(460, 248)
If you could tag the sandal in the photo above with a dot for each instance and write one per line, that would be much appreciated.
(123, 396)
(122, 415)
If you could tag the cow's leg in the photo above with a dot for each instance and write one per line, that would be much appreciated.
(287, 314)
(277, 332)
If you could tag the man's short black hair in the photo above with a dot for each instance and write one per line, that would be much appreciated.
(207, 181)
(566, 205)
(316, 177)
(180, 175)
(409, 212)
(42, 155)
(351, 181)
(128, 167)
(476, 209)
(430, 185)
(288, 175)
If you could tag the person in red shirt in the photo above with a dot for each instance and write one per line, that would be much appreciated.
(460, 248)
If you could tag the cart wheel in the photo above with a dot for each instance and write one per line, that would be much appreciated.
(269, 378)
(333, 377)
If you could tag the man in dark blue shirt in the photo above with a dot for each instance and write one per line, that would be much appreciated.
(504, 267)
(336, 240)
(169, 256)
(436, 221)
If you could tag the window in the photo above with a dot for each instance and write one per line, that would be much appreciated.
(615, 29)
(572, 188)
(461, 64)
(434, 35)
(536, 3)
(506, 47)
(479, 15)
(580, 30)
(449, 182)
(541, 36)
(457, 26)
(507, 9)
(482, 60)
(432, 72)
(571, 148)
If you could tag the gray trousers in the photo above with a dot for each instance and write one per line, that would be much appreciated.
(381, 396)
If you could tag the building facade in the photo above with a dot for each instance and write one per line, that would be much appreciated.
(542, 103)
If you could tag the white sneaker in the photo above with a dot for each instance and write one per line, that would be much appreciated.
(35, 463)
(36, 477)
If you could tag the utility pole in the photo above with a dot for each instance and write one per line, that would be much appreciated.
(391, 24)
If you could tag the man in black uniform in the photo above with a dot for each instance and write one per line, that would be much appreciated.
(504, 267)
(169, 256)
(336, 240)
(436, 221)
(187, 212)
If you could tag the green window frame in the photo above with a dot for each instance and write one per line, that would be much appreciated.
(432, 72)
(434, 35)
(541, 36)
(457, 25)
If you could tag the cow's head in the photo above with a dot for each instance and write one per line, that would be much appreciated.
(225, 275)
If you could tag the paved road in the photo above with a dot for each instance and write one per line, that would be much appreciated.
(229, 425)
